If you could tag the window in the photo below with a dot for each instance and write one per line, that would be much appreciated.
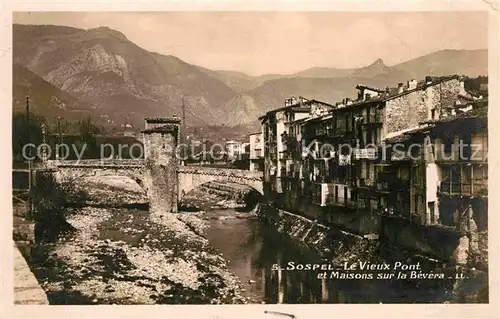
(433, 114)
(431, 211)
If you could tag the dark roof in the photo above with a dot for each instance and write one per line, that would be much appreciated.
(474, 114)
(165, 120)
(422, 85)
(392, 93)
(405, 136)
(161, 129)
(360, 87)
(296, 108)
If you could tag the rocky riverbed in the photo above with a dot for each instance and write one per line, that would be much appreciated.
(122, 255)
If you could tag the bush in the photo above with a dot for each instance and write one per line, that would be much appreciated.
(49, 201)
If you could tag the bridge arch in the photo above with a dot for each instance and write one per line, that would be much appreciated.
(190, 178)
(95, 168)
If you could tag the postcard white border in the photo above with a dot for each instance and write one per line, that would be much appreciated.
(8, 310)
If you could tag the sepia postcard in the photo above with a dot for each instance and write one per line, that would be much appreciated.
(286, 159)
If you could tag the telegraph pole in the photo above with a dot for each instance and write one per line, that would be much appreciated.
(183, 129)
(28, 134)
(183, 119)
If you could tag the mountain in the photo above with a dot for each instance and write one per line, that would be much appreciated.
(44, 97)
(331, 84)
(465, 62)
(239, 81)
(103, 68)
(101, 71)
(319, 72)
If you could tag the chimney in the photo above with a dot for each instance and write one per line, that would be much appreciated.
(412, 84)
(400, 88)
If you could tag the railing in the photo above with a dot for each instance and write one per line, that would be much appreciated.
(374, 119)
(256, 155)
(95, 162)
(320, 131)
(365, 182)
(365, 153)
(382, 186)
(320, 193)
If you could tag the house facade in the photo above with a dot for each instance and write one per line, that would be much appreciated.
(256, 156)
(332, 162)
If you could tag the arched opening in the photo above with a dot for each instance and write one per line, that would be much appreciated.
(220, 195)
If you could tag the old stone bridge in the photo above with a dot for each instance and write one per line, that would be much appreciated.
(160, 173)
(188, 177)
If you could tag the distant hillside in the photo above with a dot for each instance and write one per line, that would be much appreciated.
(332, 85)
(100, 71)
(101, 67)
(45, 98)
(465, 62)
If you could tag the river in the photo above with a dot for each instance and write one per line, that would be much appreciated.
(252, 248)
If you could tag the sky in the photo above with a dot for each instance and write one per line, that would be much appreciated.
(284, 42)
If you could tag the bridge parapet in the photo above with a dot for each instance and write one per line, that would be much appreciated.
(96, 163)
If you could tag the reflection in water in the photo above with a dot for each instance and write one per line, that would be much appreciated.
(253, 248)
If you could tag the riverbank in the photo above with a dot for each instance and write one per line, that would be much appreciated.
(339, 247)
(124, 256)
(121, 255)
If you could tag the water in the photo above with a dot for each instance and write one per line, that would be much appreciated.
(252, 249)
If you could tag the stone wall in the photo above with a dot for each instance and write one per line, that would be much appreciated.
(407, 110)
(336, 216)
(160, 174)
(436, 241)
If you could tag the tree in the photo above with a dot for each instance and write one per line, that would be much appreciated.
(50, 200)
(22, 134)
(88, 137)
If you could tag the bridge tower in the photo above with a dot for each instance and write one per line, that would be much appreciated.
(161, 137)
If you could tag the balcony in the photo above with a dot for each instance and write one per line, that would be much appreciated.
(373, 119)
(365, 153)
(284, 156)
(321, 193)
(324, 195)
(365, 182)
(320, 131)
(382, 187)
(256, 154)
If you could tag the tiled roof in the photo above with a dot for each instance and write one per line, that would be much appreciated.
(359, 87)
(173, 119)
(304, 106)
(474, 114)
(161, 129)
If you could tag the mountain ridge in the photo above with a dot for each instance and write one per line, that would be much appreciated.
(114, 76)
